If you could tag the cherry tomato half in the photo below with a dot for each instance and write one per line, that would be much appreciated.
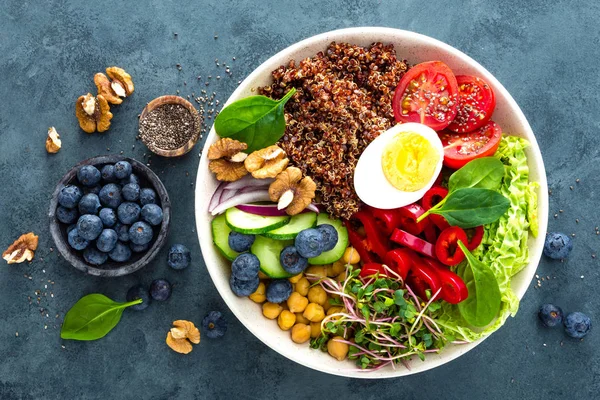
(454, 289)
(476, 103)
(427, 93)
(446, 247)
(423, 277)
(400, 260)
(413, 242)
(475, 236)
(460, 148)
(430, 199)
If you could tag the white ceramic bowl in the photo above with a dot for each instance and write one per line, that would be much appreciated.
(415, 48)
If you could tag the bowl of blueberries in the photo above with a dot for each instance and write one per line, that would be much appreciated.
(109, 216)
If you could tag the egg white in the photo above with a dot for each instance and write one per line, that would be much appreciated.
(370, 183)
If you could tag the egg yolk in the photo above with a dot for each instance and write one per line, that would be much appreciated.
(409, 161)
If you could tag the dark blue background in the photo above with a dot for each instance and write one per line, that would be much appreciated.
(545, 52)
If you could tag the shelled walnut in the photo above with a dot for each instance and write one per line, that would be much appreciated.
(267, 162)
(93, 113)
(53, 142)
(227, 159)
(182, 335)
(22, 249)
(292, 192)
(119, 85)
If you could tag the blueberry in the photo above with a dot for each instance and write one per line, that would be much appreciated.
(577, 325)
(94, 256)
(76, 241)
(120, 253)
(94, 189)
(89, 226)
(292, 261)
(108, 216)
(131, 192)
(147, 196)
(110, 195)
(107, 240)
(66, 215)
(139, 292)
(160, 289)
(240, 242)
(69, 196)
(214, 325)
(330, 236)
(128, 212)
(89, 204)
(550, 315)
(122, 231)
(557, 245)
(139, 248)
(243, 288)
(122, 170)
(279, 290)
(179, 257)
(140, 233)
(88, 175)
(152, 214)
(309, 243)
(108, 173)
(133, 178)
(245, 267)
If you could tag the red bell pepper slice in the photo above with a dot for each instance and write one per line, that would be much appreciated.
(358, 243)
(375, 242)
(454, 289)
(413, 242)
(431, 233)
(408, 218)
(421, 278)
(446, 247)
(370, 269)
(388, 220)
(475, 236)
(401, 261)
(430, 199)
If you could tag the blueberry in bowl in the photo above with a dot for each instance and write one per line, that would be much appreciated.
(104, 232)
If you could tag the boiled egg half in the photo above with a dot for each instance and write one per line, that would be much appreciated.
(399, 166)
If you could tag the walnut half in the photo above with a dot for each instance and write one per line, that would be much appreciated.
(292, 192)
(180, 336)
(53, 142)
(227, 159)
(267, 162)
(113, 90)
(22, 249)
(93, 113)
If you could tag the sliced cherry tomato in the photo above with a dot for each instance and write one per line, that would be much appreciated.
(408, 218)
(475, 236)
(369, 269)
(460, 148)
(454, 289)
(430, 199)
(413, 242)
(400, 260)
(446, 247)
(427, 93)
(421, 278)
(476, 103)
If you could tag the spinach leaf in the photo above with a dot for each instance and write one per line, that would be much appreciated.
(483, 303)
(471, 207)
(484, 173)
(257, 121)
(92, 317)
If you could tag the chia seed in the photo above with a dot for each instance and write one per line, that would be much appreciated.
(167, 127)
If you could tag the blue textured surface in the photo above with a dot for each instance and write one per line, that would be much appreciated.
(546, 54)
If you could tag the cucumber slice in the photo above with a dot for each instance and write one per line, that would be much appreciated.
(338, 251)
(297, 224)
(220, 232)
(267, 250)
(252, 224)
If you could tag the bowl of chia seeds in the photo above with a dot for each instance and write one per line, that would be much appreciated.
(169, 126)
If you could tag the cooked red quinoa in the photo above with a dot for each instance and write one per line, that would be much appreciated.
(343, 102)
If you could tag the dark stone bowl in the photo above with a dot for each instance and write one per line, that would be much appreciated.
(111, 268)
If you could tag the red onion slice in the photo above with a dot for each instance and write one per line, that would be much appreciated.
(227, 194)
(313, 207)
(241, 198)
(268, 210)
(216, 197)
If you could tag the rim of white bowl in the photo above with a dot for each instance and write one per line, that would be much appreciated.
(203, 217)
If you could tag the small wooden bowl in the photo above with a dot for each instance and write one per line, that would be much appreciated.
(159, 101)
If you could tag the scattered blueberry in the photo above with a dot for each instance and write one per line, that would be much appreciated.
(160, 289)
(292, 261)
(131, 192)
(122, 170)
(108, 217)
(107, 240)
(89, 226)
(94, 189)
(120, 253)
(245, 267)
(557, 245)
(147, 196)
(122, 231)
(240, 242)
(139, 248)
(130, 179)
(309, 243)
(128, 212)
(89, 204)
(278, 290)
(110, 195)
(69, 196)
(330, 236)
(140, 233)
(139, 292)
(94, 256)
(88, 175)
(108, 173)
(214, 325)
(550, 315)
(577, 325)
(179, 257)
(152, 214)
(76, 241)
(243, 288)
(66, 215)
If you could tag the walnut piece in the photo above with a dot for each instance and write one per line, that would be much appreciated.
(120, 78)
(22, 249)
(93, 113)
(106, 90)
(182, 346)
(291, 191)
(223, 156)
(185, 329)
(53, 142)
(267, 162)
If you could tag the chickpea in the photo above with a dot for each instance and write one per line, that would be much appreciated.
(351, 256)
(286, 320)
(327, 305)
(259, 295)
(337, 350)
(315, 329)
(300, 319)
(271, 310)
(318, 270)
(296, 302)
(314, 312)
(301, 333)
(341, 277)
(302, 286)
(335, 310)
(262, 275)
(317, 294)
(337, 268)
(296, 278)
